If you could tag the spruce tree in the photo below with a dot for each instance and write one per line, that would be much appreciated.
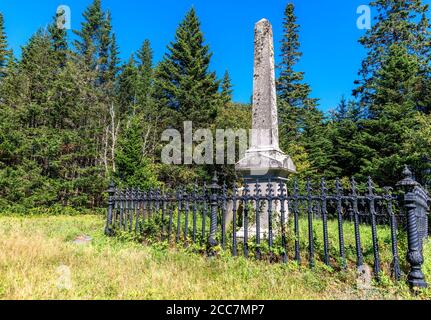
(341, 112)
(58, 41)
(293, 93)
(3, 48)
(301, 123)
(38, 65)
(104, 54)
(146, 74)
(418, 146)
(315, 138)
(129, 152)
(226, 90)
(113, 60)
(96, 44)
(289, 85)
(89, 37)
(400, 22)
(132, 167)
(128, 86)
(184, 83)
(154, 120)
(8, 87)
(343, 131)
(392, 115)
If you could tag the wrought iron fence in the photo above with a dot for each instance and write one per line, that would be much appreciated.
(280, 220)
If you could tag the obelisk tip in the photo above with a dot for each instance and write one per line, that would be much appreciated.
(263, 25)
(262, 21)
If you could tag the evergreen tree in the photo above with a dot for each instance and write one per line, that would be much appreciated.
(418, 146)
(129, 153)
(151, 112)
(315, 138)
(146, 74)
(184, 83)
(226, 90)
(114, 59)
(96, 44)
(58, 41)
(9, 88)
(301, 123)
(289, 89)
(290, 82)
(104, 56)
(128, 86)
(38, 66)
(343, 130)
(3, 48)
(342, 111)
(293, 94)
(394, 84)
(132, 167)
(400, 22)
(89, 35)
(392, 115)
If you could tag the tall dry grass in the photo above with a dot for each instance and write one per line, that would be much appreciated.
(37, 253)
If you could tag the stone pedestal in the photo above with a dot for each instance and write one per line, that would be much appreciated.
(263, 210)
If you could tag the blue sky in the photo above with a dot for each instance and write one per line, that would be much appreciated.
(332, 55)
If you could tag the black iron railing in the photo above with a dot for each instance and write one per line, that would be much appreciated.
(340, 224)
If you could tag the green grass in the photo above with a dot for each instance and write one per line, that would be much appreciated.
(152, 234)
(33, 248)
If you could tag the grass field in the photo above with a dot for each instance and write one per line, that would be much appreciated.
(38, 260)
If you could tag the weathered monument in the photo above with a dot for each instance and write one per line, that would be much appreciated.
(264, 160)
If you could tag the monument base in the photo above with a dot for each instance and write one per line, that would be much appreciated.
(265, 163)
(265, 167)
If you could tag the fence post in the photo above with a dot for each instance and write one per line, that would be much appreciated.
(111, 192)
(214, 204)
(416, 278)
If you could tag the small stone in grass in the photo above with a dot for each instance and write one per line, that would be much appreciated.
(82, 239)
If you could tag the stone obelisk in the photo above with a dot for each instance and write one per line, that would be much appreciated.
(264, 160)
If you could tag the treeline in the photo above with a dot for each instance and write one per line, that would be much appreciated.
(73, 116)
